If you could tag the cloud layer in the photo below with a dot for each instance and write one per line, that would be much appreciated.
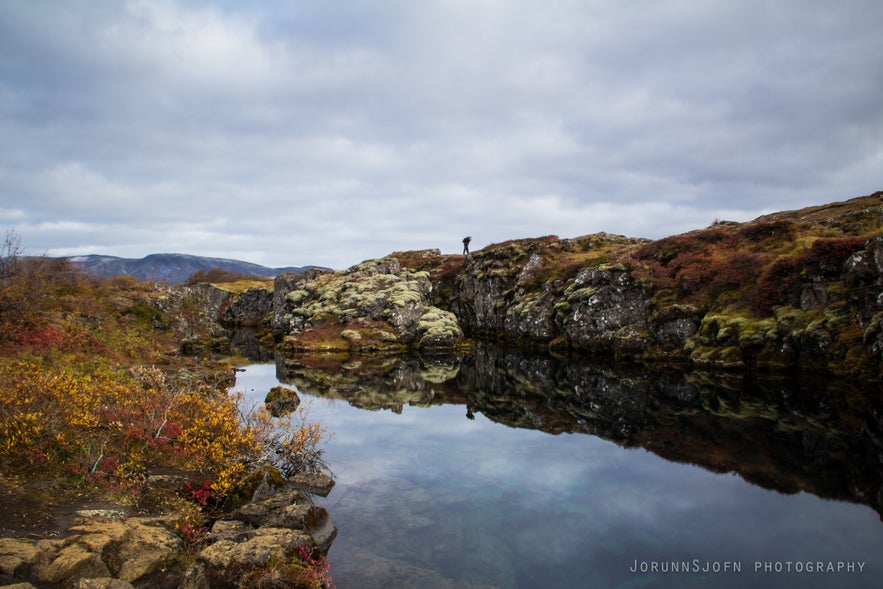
(326, 133)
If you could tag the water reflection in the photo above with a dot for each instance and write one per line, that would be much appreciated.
(786, 434)
(501, 469)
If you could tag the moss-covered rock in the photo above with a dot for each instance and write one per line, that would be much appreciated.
(726, 358)
(438, 330)
(374, 306)
(281, 401)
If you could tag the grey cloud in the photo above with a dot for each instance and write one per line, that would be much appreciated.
(300, 132)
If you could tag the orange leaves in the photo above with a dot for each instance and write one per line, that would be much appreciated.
(110, 427)
(90, 425)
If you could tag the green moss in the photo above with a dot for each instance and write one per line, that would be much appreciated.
(756, 332)
(403, 295)
(726, 358)
(245, 490)
(612, 267)
(240, 286)
(438, 328)
(350, 335)
(581, 294)
(296, 297)
(559, 345)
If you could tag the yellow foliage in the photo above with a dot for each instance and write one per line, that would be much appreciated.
(116, 424)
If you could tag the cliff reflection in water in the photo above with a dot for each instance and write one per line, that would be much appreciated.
(790, 435)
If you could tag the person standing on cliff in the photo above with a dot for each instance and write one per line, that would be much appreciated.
(466, 241)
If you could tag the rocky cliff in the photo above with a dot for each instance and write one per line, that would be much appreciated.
(794, 290)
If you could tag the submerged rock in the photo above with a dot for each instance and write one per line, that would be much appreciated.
(281, 401)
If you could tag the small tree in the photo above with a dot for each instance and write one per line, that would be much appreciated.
(10, 256)
(29, 287)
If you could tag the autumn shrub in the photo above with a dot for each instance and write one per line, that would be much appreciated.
(111, 427)
(768, 232)
(827, 256)
(781, 281)
(28, 294)
(731, 276)
(290, 443)
(215, 276)
(776, 285)
(309, 569)
(670, 248)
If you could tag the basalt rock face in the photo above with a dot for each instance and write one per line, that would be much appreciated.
(565, 294)
(249, 309)
(795, 290)
(799, 290)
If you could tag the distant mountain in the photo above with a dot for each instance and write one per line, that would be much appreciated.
(171, 268)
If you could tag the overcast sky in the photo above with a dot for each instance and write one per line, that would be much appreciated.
(328, 132)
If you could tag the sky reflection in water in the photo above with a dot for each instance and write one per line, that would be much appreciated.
(429, 498)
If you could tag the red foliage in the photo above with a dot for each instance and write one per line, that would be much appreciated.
(43, 339)
(828, 255)
(203, 494)
(778, 230)
(780, 283)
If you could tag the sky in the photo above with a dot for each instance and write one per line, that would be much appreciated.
(329, 132)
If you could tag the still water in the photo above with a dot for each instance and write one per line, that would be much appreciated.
(498, 470)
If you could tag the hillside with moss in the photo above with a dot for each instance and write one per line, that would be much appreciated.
(791, 290)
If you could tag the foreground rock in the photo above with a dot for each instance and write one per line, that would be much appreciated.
(107, 550)
(136, 552)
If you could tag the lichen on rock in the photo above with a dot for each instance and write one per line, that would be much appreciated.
(372, 306)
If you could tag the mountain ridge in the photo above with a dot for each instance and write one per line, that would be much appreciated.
(173, 268)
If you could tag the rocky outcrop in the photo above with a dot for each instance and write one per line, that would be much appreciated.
(194, 312)
(375, 306)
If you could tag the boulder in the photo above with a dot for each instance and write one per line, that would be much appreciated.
(438, 330)
(281, 401)
(116, 552)
(16, 556)
(313, 483)
(145, 550)
(74, 561)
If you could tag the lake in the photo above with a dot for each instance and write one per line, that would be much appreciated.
(503, 469)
